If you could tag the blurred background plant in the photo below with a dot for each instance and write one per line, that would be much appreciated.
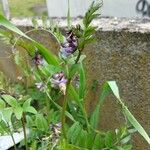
(26, 8)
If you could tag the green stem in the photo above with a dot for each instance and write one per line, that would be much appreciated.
(11, 134)
(24, 131)
(13, 140)
(78, 57)
(65, 101)
(47, 104)
(63, 118)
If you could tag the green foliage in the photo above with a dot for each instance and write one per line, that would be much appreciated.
(7, 112)
(41, 122)
(46, 54)
(10, 100)
(74, 132)
(113, 86)
(50, 102)
(91, 13)
(2, 104)
(82, 83)
(94, 119)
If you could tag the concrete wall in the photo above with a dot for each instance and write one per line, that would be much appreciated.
(121, 53)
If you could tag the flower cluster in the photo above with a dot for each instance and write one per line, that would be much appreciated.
(56, 128)
(58, 81)
(69, 46)
(38, 59)
(56, 132)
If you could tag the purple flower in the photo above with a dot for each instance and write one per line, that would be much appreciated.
(70, 46)
(38, 59)
(56, 131)
(56, 128)
(58, 81)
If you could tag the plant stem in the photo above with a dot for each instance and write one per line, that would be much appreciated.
(78, 57)
(47, 104)
(11, 134)
(24, 130)
(63, 118)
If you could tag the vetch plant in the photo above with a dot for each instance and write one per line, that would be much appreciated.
(52, 106)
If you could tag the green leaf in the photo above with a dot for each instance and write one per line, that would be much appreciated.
(30, 121)
(82, 138)
(18, 112)
(7, 112)
(82, 82)
(49, 69)
(49, 57)
(73, 70)
(10, 100)
(74, 132)
(34, 145)
(121, 133)
(4, 127)
(90, 14)
(5, 36)
(73, 94)
(117, 148)
(136, 124)
(2, 104)
(105, 92)
(109, 140)
(113, 86)
(26, 103)
(89, 31)
(127, 147)
(30, 109)
(94, 119)
(126, 139)
(98, 142)
(72, 60)
(90, 140)
(130, 117)
(4, 22)
(41, 122)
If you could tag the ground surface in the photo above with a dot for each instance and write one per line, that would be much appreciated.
(26, 8)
